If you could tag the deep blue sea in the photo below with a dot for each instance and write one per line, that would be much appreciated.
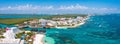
(98, 29)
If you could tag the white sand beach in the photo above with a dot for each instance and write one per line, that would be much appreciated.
(38, 39)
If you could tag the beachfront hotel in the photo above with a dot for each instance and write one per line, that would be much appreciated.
(10, 36)
(11, 41)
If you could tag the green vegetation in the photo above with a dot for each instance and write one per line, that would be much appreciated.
(13, 20)
(27, 35)
(30, 33)
(2, 31)
(19, 35)
(2, 37)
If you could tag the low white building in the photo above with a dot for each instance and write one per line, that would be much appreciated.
(10, 36)
(15, 29)
(11, 41)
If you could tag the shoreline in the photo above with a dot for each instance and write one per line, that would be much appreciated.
(39, 39)
(55, 26)
(79, 24)
(65, 27)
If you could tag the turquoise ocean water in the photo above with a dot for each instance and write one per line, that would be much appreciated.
(98, 29)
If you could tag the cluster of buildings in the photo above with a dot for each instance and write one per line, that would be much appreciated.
(10, 36)
(54, 22)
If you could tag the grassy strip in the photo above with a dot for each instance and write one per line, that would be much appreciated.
(13, 20)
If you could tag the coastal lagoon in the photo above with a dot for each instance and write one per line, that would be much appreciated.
(98, 29)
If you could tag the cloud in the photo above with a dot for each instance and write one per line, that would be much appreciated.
(63, 9)
(73, 7)
(26, 7)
